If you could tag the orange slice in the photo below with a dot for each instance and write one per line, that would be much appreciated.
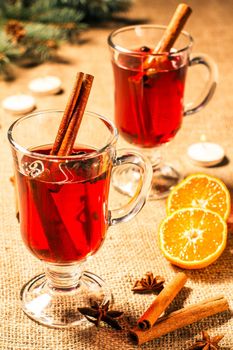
(200, 191)
(193, 238)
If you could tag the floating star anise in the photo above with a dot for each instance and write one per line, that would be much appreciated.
(149, 284)
(97, 312)
(207, 343)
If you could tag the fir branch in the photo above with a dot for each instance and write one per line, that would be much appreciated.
(39, 53)
(62, 10)
(37, 26)
(6, 71)
(63, 15)
(8, 49)
(44, 32)
(102, 9)
(14, 9)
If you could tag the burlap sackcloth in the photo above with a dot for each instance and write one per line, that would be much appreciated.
(130, 249)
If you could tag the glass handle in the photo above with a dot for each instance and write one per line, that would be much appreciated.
(209, 87)
(135, 204)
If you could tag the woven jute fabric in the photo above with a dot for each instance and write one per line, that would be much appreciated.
(130, 249)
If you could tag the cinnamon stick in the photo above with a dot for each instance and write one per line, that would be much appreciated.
(181, 318)
(73, 114)
(171, 33)
(74, 124)
(63, 145)
(174, 28)
(59, 241)
(162, 301)
(70, 106)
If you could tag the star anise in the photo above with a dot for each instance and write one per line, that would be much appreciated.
(97, 312)
(149, 284)
(207, 343)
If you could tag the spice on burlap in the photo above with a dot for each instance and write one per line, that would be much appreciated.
(149, 283)
(98, 312)
(207, 342)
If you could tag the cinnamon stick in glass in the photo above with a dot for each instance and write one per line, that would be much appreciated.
(181, 318)
(162, 301)
(73, 114)
(171, 33)
(63, 146)
(70, 106)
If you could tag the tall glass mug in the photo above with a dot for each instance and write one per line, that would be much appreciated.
(149, 97)
(64, 214)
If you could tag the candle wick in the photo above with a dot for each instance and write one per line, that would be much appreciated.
(203, 138)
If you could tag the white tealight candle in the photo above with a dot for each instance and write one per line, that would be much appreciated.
(205, 153)
(19, 104)
(48, 85)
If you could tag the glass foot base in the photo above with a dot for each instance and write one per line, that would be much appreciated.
(59, 308)
(125, 180)
(164, 179)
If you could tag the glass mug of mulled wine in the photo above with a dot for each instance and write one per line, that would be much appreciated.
(149, 97)
(63, 205)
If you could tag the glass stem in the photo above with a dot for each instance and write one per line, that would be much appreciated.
(154, 155)
(63, 277)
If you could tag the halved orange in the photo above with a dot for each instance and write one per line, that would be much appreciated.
(193, 238)
(200, 191)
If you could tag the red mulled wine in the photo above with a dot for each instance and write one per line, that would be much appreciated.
(149, 105)
(63, 208)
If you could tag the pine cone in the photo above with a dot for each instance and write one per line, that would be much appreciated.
(16, 30)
